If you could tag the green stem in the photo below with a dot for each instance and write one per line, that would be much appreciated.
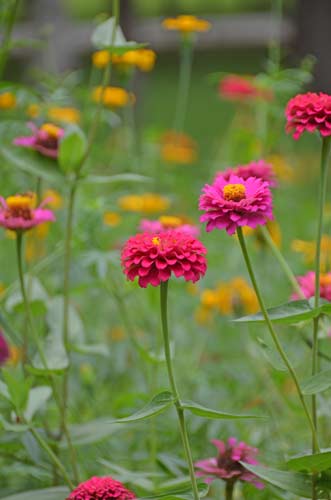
(322, 196)
(274, 335)
(4, 50)
(173, 385)
(25, 346)
(275, 42)
(229, 489)
(185, 69)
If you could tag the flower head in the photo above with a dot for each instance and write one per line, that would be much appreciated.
(307, 285)
(101, 488)
(227, 464)
(260, 169)
(63, 114)
(236, 202)
(179, 148)
(7, 100)
(45, 139)
(186, 24)
(101, 58)
(242, 88)
(113, 97)
(147, 203)
(18, 212)
(4, 349)
(309, 112)
(168, 223)
(155, 257)
(112, 219)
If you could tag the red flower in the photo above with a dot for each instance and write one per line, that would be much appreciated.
(309, 112)
(155, 257)
(242, 88)
(101, 488)
(4, 349)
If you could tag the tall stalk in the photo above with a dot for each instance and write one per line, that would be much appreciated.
(173, 385)
(229, 489)
(185, 69)
(5, 47)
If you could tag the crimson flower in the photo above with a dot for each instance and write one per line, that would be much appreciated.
(242, 88)
(309, 112)
(101, 488)
(4, 349)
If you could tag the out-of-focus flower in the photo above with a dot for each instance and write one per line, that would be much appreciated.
(260, 169)
(33, 110)
(112, 219)
(101, 488)
(53, 199)
(15, 355)
(168, 222)
(307, 285)
(154, 258)
(281, 167)
(235, 203)
(117, 334)
(143, 59)
(101, 58)
(186, 24)
(18, 212)
(227, 465)
(179, 148)
(145, 203)
(309, 112)
(4, 349)
(7, 100)
(308, 250)
(113, 97)
(45, 139)
(63, 114)
(242, 88)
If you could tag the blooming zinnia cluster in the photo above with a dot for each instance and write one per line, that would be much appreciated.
(241, 88)
(227, 464)
(236, 202)
(101, 488)
(260, 168)
(307, 285)
(155, 257)
(18, 212)
(168, 222)
(143, 59)
(4, 349)
(309, 112)
(45, 139)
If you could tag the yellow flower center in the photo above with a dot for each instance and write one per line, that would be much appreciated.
(234, 192)
(21, 201)
(51, 130)
(170, 221)
(156, 241)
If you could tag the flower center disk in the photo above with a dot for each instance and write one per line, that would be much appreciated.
(234, 192)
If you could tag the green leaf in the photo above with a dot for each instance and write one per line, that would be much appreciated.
(55, 355)
(113, 179)
(38, 397)
(272, 356)
(289, 313)
(201, 411)
(183, 492)
(95, 349)
(9, 427)
(317, 383)
(102, 38)
(90, 432)
(57, 493)
(18, 387)
(157, 405)
(314, 463)
(295, 482)
(72, 149)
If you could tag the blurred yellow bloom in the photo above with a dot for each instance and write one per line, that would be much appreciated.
(113, 97)
(179, 148)
(52, 130)
(186, 24)
(54, 199)
(117, 334)
(7, 100)
(112, 219)
(146, 203)
(308, 250)
(170, 221)
(101, 58)
(281, 167)
(143, 59)
(64, 114)
(15, 355)
(33, 110)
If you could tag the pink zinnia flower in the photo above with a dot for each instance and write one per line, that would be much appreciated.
(45, 139)
(168, 223)
(155, 257)
(18, 213)
(241, 88)
(4, 349)
(226, 465)
(229, 204)
(259, 168)
(309, 112)
(101, 488)
(307, 285)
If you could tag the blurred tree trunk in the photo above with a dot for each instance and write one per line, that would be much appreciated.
(314, 37)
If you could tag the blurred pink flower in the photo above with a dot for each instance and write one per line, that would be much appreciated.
(242, 88)
(17, 212)
(101, 488)
(4, 349)
(156, 226)
(307, 285)
(45, 139)
(260, 169)
(154, 257)
(236, 202)
(227, 464)
(309, 112)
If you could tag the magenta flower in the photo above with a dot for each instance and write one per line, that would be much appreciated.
(236, 202)
(17, 213)
(227, 464)
(45, 139)
(307, 285)
(168, 223)
(309, 112)
(101, 488)
(155, 257)
(242, 88)
(4, 349)
(260, 169)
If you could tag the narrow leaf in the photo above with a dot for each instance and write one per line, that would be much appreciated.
(157, 405)
(314, 463)
(57, 493)
(289, 313)
(202, 411)
(317, 383)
